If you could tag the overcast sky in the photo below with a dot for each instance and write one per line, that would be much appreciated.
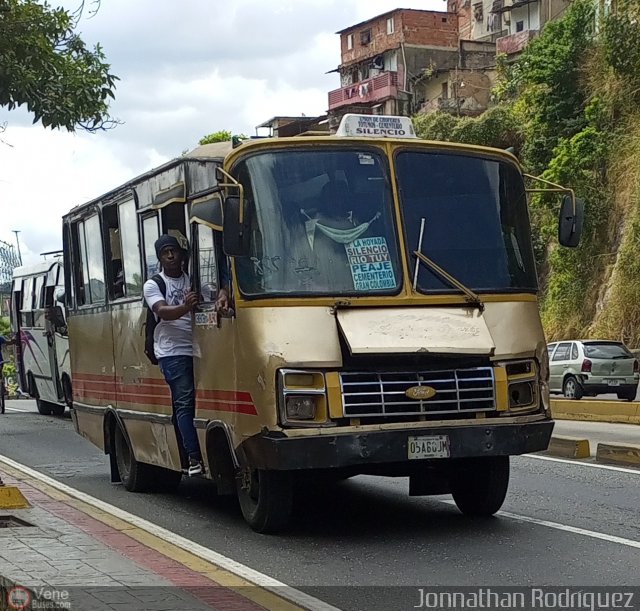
(187, 69)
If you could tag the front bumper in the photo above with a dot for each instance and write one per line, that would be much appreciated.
(274, 450)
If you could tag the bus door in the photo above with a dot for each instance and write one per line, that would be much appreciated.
(215, 362)
(51, 328)
(16, 326)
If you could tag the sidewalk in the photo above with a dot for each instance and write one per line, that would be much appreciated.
(72, 555)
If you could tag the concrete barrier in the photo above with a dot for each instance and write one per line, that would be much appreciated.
(618, 454)
(569, 447)
(596, 411)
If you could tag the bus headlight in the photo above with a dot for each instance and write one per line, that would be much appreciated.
(303, 398)
(521, 394)
(300, 407)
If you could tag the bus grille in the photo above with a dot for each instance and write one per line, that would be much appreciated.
(384, 394)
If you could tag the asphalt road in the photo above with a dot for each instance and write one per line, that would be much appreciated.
(368, 532)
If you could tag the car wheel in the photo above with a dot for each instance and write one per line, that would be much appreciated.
(627, 395)
(571, 388)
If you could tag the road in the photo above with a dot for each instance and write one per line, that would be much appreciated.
(564, 523)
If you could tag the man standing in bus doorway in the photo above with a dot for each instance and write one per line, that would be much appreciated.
(173, 339)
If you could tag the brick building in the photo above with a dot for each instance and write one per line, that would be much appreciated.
(384, 59)
(511, 24)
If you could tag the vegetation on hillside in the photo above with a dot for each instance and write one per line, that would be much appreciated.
(568, 106)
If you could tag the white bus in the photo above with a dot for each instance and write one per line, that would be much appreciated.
(38, 318)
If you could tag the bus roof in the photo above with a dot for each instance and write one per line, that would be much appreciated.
(36, 269)
(216, 151)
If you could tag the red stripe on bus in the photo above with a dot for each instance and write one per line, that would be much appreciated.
(226, 395)
(221, 406)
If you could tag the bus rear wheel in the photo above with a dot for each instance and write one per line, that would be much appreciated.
(266, 498)
(479, 485)
(135, 476)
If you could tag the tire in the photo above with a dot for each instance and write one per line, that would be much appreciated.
(629, 394)
(571, 388)
(479, 485)
(44, 407)
(57, 409)
(266, 498)
(135, 476)
(67, 391)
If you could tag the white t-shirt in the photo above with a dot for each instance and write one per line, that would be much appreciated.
(171, 337)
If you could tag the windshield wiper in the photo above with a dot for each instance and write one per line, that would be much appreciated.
(471, 297)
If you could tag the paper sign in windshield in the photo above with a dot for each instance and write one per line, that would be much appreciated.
(370, 263)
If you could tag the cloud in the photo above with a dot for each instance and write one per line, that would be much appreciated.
(187, 69)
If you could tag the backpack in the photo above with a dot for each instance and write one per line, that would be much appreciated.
(152, 322)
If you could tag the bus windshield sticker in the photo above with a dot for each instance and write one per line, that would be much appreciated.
(370, 262)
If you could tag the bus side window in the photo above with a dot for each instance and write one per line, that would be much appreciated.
(89, 265)
(38, 301)
(174, 223)
(150, 233)
(26, 309)
(209, 256)
(113, 251)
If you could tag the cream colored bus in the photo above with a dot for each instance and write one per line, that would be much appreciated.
(384, 317)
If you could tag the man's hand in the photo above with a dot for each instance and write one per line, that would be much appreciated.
(191, 300)
(222, 303)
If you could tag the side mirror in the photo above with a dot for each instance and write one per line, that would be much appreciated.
(56, 317)
(570, 221)
(235, 237)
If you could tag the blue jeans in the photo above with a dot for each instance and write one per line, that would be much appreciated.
(178, 372)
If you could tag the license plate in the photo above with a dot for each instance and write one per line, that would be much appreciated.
(428, 446)
(613, 382)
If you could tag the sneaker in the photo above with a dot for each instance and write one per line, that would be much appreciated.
(195, 467)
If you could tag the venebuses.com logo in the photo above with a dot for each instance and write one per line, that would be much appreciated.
(18, 598)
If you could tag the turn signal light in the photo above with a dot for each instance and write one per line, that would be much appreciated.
(586, 366)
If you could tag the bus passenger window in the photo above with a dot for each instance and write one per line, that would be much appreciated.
(150, 234)
(89, 261)
(208, 253)
(132, 276)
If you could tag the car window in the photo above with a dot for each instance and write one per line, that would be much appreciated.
(606, 350)
(550, 349)
(574, 352)
(562, 352)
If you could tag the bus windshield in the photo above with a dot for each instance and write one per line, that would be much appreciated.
(321, 224)
(476, 224)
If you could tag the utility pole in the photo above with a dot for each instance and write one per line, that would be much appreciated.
(17, 231)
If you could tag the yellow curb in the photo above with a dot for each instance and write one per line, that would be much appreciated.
(216, 574)
(618, 453)
(569, 447)
(596, 411)
(12, 498)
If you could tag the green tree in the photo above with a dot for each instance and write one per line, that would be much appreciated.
(221, 136)
(46, 67)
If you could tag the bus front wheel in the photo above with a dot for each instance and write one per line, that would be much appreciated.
(44, 407)
(266, 498)
(479, 485)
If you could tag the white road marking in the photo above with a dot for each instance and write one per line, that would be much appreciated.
(564, 527)
(16, 409)
(260, 579)
(584, 464)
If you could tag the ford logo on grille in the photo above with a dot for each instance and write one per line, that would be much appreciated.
(420, 392)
